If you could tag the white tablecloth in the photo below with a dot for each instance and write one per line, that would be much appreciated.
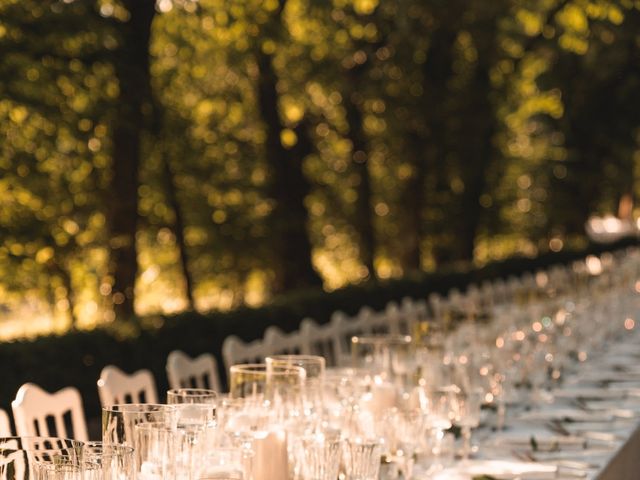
(602, 417)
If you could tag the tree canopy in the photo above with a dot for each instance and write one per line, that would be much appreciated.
(177, 154)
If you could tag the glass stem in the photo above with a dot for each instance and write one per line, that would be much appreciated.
(466, 442)
(500, 415)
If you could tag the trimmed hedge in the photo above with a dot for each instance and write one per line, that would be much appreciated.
(77, 358)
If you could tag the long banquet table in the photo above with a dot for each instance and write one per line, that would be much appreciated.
(589, 428)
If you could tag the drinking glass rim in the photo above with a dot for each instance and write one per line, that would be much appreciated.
(74, 464)
(138, 407)
(149, 426)
(314, 365)
(302, 357)
(26, 443)
(98, 444)
(364, 442)
(263, 368)
(382, 339)
(39, 437)
(198, 391)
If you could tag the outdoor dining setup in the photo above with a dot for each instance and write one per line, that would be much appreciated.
(532, 377)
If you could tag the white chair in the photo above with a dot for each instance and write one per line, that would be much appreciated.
(396, 318)
(235, 351)
(5, 424)
(117, 387)
(347, 327)
(279, 343)
(37, 412)
(411, 313)
(186, 372)
(321, 339)
(375, 322)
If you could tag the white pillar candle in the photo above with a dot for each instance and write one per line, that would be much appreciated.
(271, 460)
(383, 396)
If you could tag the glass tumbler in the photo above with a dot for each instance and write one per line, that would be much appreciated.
(20, 455)
(314, 368)
(321, 456)
(155, 451)
(362, 459)
(227, 464)
(116, 461)
(119, 421)
(67, 468)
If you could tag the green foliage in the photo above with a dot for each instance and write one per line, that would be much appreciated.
(439, 133)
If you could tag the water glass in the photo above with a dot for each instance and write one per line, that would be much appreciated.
(227, 464)
(386, 356)
(67, 468)
(467, 410)
(65, 465)
(436, 454)
(320, 456)
(314, 368)
(20, 455)
(195, 426)
(155, 451)
(262, 383)
(362, 459)
(119, 421)
(116, 461)
(407, 430)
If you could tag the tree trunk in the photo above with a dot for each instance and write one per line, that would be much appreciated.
(427, 141)
(364, 214)
(288, 188)
(132, 72)
(478, 151)
(413, 201)
(178, 228)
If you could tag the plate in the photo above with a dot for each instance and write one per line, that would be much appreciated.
(540, 442)
(568, 415)
(589, 393)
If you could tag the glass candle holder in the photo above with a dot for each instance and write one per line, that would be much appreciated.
(314, 368)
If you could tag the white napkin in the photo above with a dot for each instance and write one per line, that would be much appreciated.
(590, 393)
(542, 441)
(566, 414)
(598, 376)
(508, 469)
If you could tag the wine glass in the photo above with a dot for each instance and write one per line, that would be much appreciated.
(467, 406)
(407, 428)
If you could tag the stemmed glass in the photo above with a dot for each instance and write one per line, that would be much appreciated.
(467, 406)
(407, 428)
(195, 410)
(192, 395)
(155, 451)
